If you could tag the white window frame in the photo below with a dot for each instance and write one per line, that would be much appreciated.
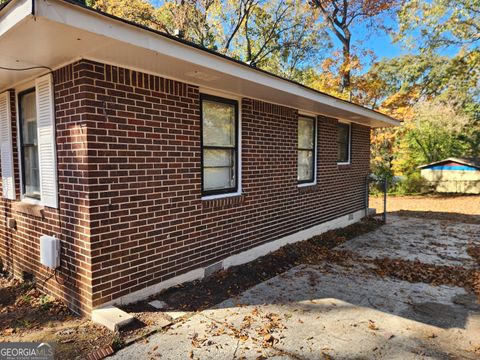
(239, 156)
(23, 198)
(315, 149)
(349, 143)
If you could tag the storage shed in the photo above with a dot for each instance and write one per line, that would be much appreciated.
(453, 175)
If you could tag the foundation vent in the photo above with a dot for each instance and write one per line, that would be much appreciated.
(209, 270)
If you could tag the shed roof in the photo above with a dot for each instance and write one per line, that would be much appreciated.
(472, 162)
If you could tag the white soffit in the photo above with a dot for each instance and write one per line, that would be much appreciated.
(62, 32)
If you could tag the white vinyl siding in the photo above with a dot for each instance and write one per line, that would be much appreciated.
(8, 182)
(46, 141)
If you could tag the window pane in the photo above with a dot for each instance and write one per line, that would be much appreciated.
(305, 165)
(343, 142)
(31, 171)
(305, 133)
(218, 124)
(343, 134)
(29, 119)
(218, 157)
(342, 154)
(28, 123)
(217, 178)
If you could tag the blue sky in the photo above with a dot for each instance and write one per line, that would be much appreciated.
(380, 42)
(383, 47)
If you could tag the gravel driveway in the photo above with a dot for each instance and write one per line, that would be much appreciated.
(342, 310)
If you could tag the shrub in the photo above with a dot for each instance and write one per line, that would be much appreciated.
(410, 184)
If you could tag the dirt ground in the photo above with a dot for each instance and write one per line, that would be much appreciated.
(28, 315)
(468, 205)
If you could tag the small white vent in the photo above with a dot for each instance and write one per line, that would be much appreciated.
(50, 251)
(350, 216)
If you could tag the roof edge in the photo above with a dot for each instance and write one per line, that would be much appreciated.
(458, 160)
(2, 6)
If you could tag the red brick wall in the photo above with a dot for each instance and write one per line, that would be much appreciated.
(19, 248)
(130, 166)
(148, 220)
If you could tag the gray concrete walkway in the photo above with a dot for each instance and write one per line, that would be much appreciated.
(331, 311)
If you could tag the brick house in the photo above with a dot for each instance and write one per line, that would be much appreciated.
(154, 161)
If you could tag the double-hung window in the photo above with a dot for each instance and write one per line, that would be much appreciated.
(306, 149)
(219, 145)
(344, 135)
(29, 144)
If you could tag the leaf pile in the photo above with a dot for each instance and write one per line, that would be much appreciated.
(416, 271)
(264, 329)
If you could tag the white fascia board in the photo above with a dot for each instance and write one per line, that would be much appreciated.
(14, 13)
(88, 20)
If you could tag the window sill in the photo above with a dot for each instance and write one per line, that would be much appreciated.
(304, 185)
(307, 188)
(26, 208)
(221, 196)
(344, 164)
(224, 200)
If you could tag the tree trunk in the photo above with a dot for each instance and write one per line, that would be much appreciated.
(346, 66)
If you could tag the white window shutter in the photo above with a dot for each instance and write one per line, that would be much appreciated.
(46, 141)
(8, 182)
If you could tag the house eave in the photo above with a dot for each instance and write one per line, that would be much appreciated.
(62, 31)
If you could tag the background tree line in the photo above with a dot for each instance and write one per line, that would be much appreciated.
(433, 86)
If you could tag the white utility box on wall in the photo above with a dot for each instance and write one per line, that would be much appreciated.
(50, 251)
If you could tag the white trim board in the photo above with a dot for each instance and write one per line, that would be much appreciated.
(13, 14)
(241, 258)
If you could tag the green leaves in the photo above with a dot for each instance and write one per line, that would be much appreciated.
(440, 23)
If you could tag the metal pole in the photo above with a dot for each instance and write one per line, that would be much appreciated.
(367, 194)
(385, 188)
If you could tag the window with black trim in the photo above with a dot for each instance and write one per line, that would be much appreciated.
(306, 149)
(219, 145)
(344, 143)
(29, 144)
